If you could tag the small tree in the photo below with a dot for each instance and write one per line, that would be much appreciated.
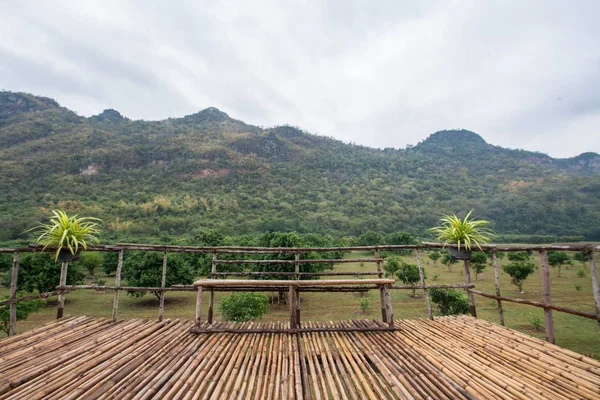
(519, 271)
(90, 261)
(409, 274)
(449, 261)
(582, 257)
(449, 301)
(434, 256)
(144, 269)
(557, 259)
(38, 272)
(24, 308)
(365, 304)
(478, 263)
(391, 266)
(109, 262)
(370, 238)
(240, 307)
(519, 255)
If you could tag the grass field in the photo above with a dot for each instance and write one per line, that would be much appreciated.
(572, 332)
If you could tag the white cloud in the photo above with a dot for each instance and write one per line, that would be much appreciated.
(384, 74)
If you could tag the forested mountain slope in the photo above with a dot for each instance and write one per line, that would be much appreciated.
(160, 179)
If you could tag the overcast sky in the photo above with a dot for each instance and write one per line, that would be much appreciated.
(523, 74)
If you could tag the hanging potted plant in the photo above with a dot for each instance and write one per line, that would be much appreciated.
(464, 233)
(68, 234)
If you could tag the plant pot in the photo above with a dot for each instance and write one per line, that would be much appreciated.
(65, 255)
(461, 254)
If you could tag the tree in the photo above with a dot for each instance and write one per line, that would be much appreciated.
(449, 301)
(144, 269)
(449, 261)
(434, 256)
(240, 307)
(519, 255)
(110, 260)
(581, 256)
(365, 304)
(24, 308)
(409, 274)
(38, 272)
(91, 260)
(478, 263)
(391, 266)
(519, 271)
(370, 238)
(558, 259)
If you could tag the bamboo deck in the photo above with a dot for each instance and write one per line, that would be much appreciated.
(449, 358)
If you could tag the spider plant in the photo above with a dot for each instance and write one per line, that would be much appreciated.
(465, 232)
(68, 232)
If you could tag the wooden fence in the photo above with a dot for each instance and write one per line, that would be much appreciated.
(546, 302)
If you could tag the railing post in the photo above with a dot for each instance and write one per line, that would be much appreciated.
(545, 270)
(381, 291)
(211, 299)
(117, 284)
(163, 281)
(469, 293)
(12, 325)
(61, 297)
(388, 305)
(297, 276)
(292, 301)
(425, 290)
(199, 307)
(497, 284)
(595, 284)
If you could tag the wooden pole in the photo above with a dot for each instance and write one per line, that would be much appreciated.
(61, 297)
(292, 301)
(211, 299)
(545, 270)
(12, 327)
(117, 283)
(497, 284)
(388, 305)
(199, 307)
(381, 294)
(471, 297)
(595, 284)
(297, 277)
(163, 281)
(425, 290)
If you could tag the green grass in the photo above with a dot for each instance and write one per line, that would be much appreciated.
(576, 333)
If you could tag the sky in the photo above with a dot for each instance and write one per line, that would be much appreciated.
(523, 74)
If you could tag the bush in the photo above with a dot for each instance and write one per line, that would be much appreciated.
(578, 287)
(409, 274)
(365, 304)
(449, 301)
(519, 271)
(537, 323)
(24, 308)
(240, 307)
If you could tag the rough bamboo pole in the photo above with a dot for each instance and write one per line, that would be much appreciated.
(425, 290)
(595, 283)
(280, 283)
(388, 305)
(61, 297)
(381, 294)
(211, 299)
(161, 308)
(292, 301)
(12, 328)
(117, 283)
(468, 282)
(199, 307)
(297, 277)
(545, 271)
(497, 284)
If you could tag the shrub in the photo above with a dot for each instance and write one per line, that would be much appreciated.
(365, 304)
(409, 274)
(537, 323)
(519, 271)
(578, 287)
(449, 261)
(581, 273)
(391, 266)
(478, 263)
(241, 307)
(449, 301)
(24, 308)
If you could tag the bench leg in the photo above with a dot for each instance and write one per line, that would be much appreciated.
(199, 307)
(388, 306)
(292, 304)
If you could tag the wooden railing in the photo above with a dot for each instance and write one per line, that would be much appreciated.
(546, 303)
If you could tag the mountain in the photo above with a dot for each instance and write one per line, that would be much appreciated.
(155, 180)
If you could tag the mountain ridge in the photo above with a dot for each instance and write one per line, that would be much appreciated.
(208, 169)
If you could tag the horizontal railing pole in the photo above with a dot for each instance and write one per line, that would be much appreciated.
(338, 282)
(33, 296)
(567, 310)
(305, 261)
(249, 273)
(129, 288)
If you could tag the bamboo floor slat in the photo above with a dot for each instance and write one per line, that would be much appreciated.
(447, 358)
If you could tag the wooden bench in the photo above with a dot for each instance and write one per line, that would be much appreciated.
(293, 290)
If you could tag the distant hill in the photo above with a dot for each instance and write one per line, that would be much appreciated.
(164, 179)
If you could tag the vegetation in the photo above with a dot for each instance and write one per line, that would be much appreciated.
(365, 304)
(465, 232)
(449, 301)
(24, 308)
(68, 232)
(559, 258)
(478, 263)
(537, 323)
(240, 307)
(519, 271)
(449, 261)
(582, 257)
(409, 274)
(434, 256)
